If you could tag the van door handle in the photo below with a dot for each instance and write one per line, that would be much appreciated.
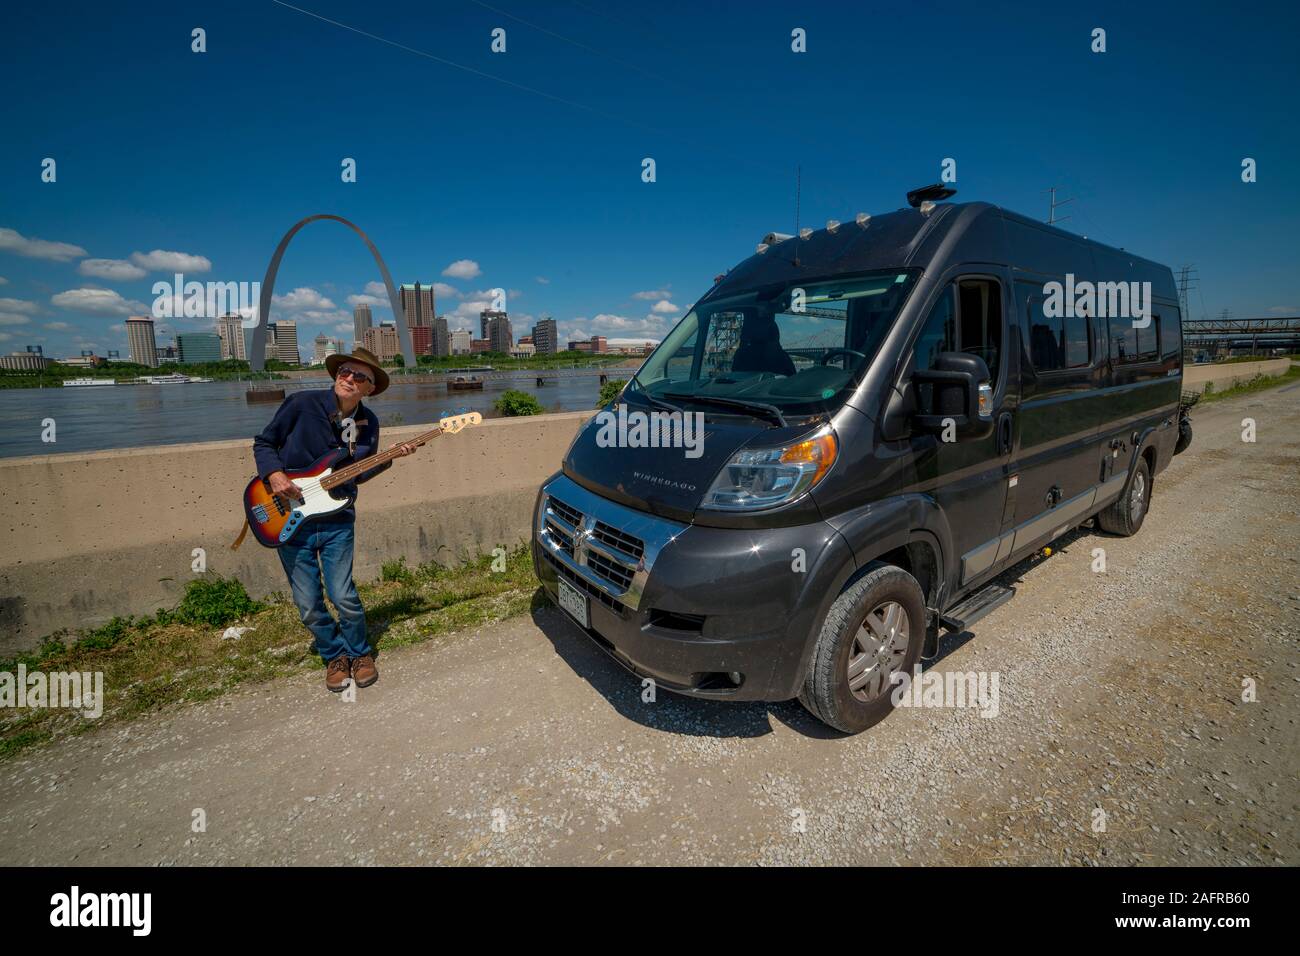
(1004, 433)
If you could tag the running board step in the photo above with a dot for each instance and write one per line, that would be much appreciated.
(982, 602)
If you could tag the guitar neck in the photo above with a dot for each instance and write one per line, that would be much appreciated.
(344, 475)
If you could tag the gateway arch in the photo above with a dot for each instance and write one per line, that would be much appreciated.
(257, 358)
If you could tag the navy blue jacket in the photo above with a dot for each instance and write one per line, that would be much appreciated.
(307, 425)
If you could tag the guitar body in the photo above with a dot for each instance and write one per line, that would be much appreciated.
(275, 520)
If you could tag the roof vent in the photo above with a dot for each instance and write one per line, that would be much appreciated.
(863, 220)
(805, 232)
(929, 193)
(772, 238)
(761, 248)
(832, 225)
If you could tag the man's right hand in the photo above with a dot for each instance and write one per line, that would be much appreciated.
(281, 485)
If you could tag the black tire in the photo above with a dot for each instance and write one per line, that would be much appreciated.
(827, 692)
(1126, 515)
(1184, 435)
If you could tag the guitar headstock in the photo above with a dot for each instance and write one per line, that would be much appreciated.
(454, 423)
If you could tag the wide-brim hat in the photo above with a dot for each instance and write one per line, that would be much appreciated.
(366, 358)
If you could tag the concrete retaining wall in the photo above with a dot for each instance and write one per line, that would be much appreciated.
(102, 533)
(1195, 377)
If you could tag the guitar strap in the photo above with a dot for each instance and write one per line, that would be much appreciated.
(240, 540)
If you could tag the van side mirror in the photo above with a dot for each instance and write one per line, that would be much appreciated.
(960, 392)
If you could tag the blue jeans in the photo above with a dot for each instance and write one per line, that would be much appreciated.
(326, 550)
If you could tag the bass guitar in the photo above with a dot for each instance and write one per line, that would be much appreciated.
(275, 518)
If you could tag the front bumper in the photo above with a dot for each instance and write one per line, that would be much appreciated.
(694, 608)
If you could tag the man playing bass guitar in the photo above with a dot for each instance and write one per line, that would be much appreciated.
(307, 425)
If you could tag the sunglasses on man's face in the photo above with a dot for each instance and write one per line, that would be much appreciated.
(346, 372)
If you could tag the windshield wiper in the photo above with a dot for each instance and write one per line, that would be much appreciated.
(770, 411)
(658, 402)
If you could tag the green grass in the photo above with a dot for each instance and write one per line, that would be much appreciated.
(1259, 383)
(178, 656)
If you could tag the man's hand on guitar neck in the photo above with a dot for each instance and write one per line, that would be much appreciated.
(404, 449)
(282, 486)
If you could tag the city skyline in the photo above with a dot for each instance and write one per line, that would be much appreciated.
(562, 221)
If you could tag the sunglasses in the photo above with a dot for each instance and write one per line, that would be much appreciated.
(352, 373)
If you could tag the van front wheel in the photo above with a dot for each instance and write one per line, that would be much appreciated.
(874, 630)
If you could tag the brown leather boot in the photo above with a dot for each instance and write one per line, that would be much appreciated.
(337, 673)
(364, 671)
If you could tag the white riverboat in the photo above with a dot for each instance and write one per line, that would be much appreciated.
(78, 382)
(173, 379)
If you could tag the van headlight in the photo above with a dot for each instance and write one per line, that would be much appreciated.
(763, 477)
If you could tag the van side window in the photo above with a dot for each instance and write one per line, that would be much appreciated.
(1058, 342)
(940, 332)
(980, 312)
(1131, 346)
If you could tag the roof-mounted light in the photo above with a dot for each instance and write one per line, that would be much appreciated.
(832, 225)
(772, 238)
(761, 248)
(863, 220)
(805, 232)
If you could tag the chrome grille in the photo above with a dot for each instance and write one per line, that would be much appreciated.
(608, 534)
(598, 541)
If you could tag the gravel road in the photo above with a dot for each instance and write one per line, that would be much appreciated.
(1121, 703)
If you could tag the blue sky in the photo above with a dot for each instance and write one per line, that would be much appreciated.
(534, 177)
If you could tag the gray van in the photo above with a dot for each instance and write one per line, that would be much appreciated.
(895, 410)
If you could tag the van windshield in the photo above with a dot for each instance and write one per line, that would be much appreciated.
(797, 348)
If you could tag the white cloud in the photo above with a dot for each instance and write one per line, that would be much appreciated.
(373, 301)
(160, 260)
(119, 327)
(19, 305)
(5, 336)
(111, 269)
(11, 241)
(443, 291)
(99, 300)
(664, 307)
(57, 326)
(12, 318)
(542, 280)
(303, 298)
(463, 269)
(1285, 310)
(3, 281)
(653, 294)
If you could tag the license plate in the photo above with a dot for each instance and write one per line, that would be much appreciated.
(574, 602)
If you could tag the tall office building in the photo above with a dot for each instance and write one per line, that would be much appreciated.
(361, 320)
(230, 331)
(485, 322)
(441, 337)
(417, 304)
(286, 341)
(320, 348)
(195, 347)
(139, 336)
(382, 340)
(460, 341)
(546, 337)
(499, 333)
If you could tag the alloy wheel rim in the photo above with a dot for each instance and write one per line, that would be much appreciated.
(1137, 500)
(879, 647)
